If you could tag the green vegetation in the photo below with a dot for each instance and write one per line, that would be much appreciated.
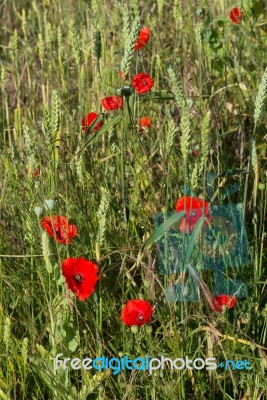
(58, 60)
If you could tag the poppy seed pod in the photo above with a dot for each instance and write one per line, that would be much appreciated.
(49, 204)
(38, 210)
(125, 91)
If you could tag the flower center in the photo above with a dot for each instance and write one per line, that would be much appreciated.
(78, 278)
(144, 82)
(140, 317)
(193, 213)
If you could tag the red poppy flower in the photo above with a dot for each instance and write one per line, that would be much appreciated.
(136, 312)
(142, 83)
(59, 228)
(112, 102)
(81, 276)
(235, 15)
(145, 122)
(142, 39)
(35, 173)
(222, 300)
(88, 120)
(194, 210)
(195, 152)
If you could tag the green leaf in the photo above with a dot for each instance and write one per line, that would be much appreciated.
(232, 172)
(73, 344)
(163, 228)
(102, 130)
(193, 238)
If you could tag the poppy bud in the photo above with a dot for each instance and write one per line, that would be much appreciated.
(134, 328)
(49, 204)
(38, 210)
(149, 329)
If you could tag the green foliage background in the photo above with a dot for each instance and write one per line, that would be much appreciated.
(59, 59)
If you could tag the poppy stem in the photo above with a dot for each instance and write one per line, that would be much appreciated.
(129, 112)
(123, 176)
(100, 307)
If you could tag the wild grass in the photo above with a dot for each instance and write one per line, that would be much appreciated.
(59, 59)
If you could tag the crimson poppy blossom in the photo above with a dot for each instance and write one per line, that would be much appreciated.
(35, 173)
(88, 120)
(235, 15)
(142, 83)
(195, 152)
(193, 207)
(218, 302)
(145, 122)
(112, 103)
(136, 312)
(142, 39)
(58, 227)
(81, 276)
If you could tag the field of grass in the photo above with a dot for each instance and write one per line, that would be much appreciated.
(119, 185)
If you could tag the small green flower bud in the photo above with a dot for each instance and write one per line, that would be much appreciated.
(101, 389)
(38, 210)
(134, 328)
(147, 283)
(149, 329)
(49, 204)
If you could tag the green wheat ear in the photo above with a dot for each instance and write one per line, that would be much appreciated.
(260, 99)
(185, 133)
(47, 125)
(75, 42)
(41, 48)
(3, 77)
(198, 36)
(101, 215)
(48, 33)
(177, 88)
(54, 112)
(29, 141)
(25, 350)
(80, 168)
(7, 332)
(176, 11)
(205, 148)
(185, 118)
(205, 139)
(13, 46)
(46, 252)
(160, 7)
(171, 130)
(129, 44)
(134, 8)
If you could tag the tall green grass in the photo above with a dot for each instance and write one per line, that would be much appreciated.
(59, 59)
